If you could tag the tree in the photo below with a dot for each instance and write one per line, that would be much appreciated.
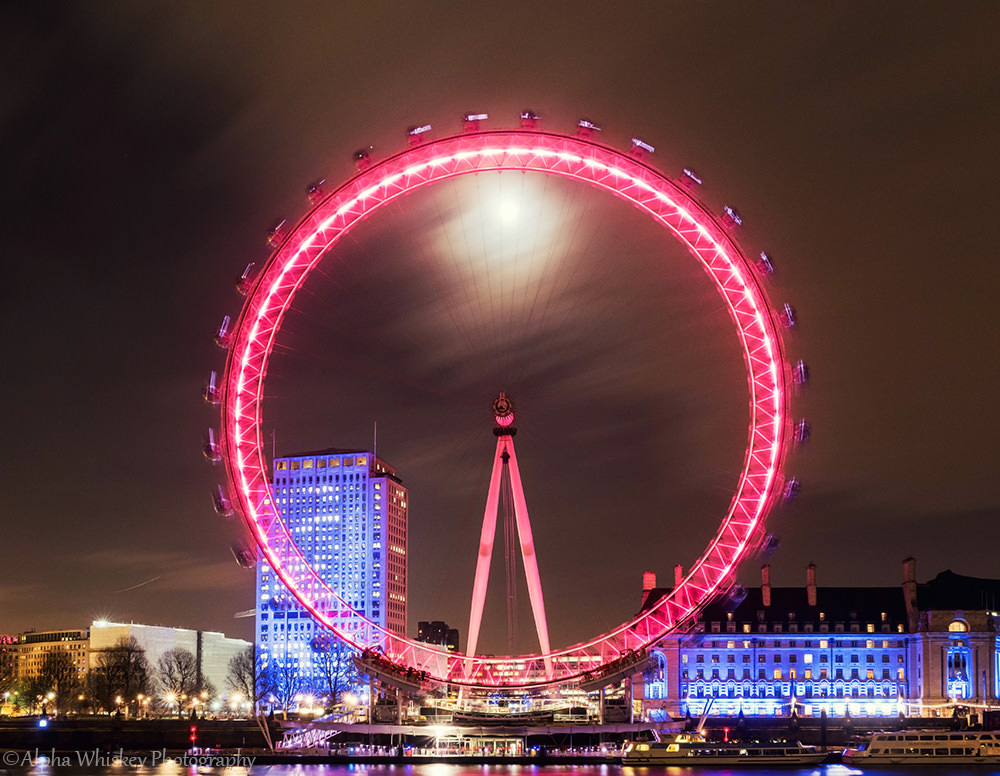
(8, 664)
(120, 671)
(246, 678)
(337, 671)
(58, 675)
(284, 682)
(177, 675)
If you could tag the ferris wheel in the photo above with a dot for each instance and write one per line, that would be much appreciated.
(668, 202)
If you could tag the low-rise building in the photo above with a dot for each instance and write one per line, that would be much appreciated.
(870, 651)
(212, 650)
(33, 646)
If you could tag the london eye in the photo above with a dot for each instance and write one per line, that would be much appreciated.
(671, 204)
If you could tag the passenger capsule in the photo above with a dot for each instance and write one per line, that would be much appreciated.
(731, 217)
(640, 148)
(470, 121)
(529, 119)
(764, 265)
(792, 489)
(416, 135)
(223, 335)
(245, 554)
(212, 450)
(690, 178)
(585, 128)
(245, 281)
(802, 431)
(363, 159)
(211, 391)
(277, 233)
(770, 544)
(221, 502)
(734, 597)
(314, 191)
(787, 316)
(800, 373)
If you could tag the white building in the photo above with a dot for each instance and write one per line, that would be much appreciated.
(212, 650)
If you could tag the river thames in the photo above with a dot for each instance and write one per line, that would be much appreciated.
(30, 765)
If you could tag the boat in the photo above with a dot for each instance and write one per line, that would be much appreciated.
(693, 749)
(927, 747)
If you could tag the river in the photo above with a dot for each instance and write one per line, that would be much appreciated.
(155, 763)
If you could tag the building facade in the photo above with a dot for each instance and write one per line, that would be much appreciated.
(917, 650)
(438, 633)
(347, 510)
(212, 650)
(32, 647)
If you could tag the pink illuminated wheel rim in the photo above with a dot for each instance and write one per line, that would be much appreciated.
(666, 201)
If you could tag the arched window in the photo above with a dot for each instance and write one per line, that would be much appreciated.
(958, 626)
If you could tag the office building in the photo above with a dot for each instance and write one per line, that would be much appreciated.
(347, 511)
(438, 633)
(32, 647)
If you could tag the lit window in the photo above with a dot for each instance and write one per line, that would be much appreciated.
(958, 626)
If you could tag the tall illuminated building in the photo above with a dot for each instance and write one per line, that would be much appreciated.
(347, 513)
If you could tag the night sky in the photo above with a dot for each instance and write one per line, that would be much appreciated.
(149, 146)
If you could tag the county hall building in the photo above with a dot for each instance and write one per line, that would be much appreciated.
(914, 650)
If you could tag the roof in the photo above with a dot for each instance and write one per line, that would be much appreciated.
(843, 604)
(949, 590)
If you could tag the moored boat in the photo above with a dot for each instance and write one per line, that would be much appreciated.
(693, 749)
(927, 747)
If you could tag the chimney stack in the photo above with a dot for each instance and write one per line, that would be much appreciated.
(811, 584)
(678, 575)
(648, 583)
(910, 594)
(765, 584)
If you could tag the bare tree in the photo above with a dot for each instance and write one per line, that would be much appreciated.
(8, 664)
(177, 674)
(120, 671)
(246, 678)
(337, 673)
(284, 682)
(58, 675)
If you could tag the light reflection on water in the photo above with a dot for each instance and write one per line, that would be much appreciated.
(41, 766)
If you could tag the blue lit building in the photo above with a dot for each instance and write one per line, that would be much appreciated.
(347, 511)
(873, 651)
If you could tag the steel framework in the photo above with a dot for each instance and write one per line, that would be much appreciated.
(252, 336)
(505, 465)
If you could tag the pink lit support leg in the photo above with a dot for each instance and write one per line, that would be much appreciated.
(528, 554)
(485, 551)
